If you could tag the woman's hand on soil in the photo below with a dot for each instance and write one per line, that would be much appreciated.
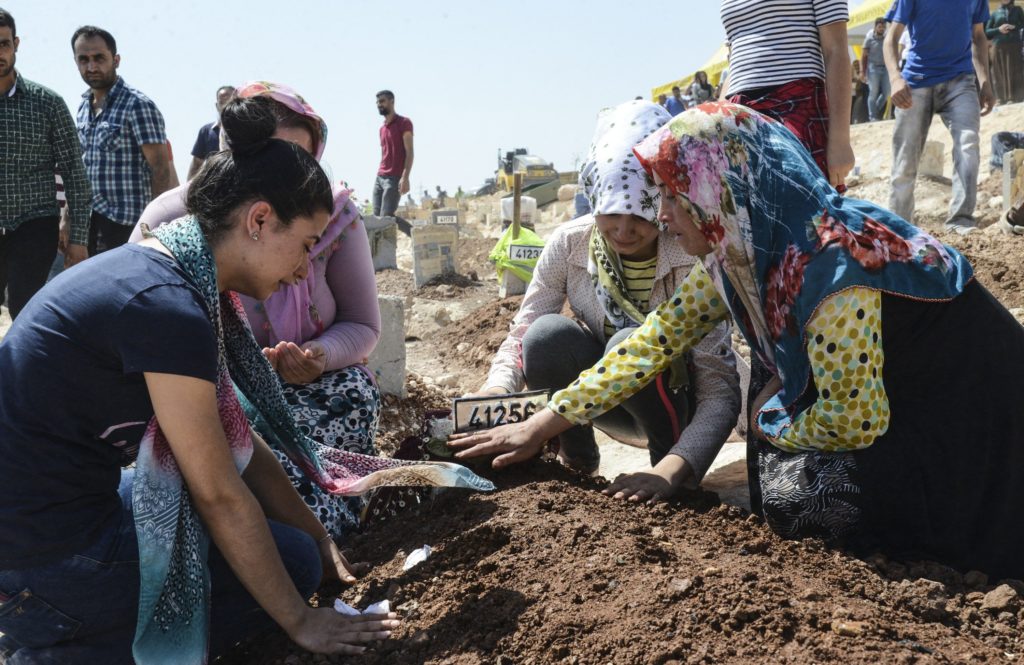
(512, 443)
(658, 484)
(324, 630)
(515, 443)
(298, 365)
(336, 566)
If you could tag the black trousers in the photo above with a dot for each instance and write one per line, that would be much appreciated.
(26, 254)
(105, 233)
(556, 349)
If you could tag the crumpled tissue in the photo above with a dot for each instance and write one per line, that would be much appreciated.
(416, 557)
(383, 607)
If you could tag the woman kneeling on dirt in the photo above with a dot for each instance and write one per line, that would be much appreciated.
(894, 417)
(613, 267)
(143, 355)
(318, 332)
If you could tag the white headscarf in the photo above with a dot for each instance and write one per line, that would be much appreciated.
(612, 178)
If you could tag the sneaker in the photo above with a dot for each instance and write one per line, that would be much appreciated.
(963, 228)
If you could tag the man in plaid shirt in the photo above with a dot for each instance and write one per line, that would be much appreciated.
(123, 141)
(37, 137)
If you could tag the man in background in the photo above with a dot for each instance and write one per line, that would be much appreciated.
(37, 139)
(208, 141)
(123, 142)
(946, 65)
(675, 104)
(873, 71)
(396, 156)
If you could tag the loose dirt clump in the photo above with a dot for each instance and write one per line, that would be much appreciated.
(470, 343)
(402, 417)
(997, 261)
(444, 287)
(548, 570)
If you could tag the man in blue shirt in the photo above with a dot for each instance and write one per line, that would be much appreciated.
(123, 142)
(675, 104)
(946, 64)
(208, 141)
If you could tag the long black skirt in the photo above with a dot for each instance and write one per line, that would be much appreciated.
(946, 480)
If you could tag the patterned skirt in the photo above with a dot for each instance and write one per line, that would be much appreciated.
(339, 410)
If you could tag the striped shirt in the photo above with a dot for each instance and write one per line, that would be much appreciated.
(37, 138)
(776, 41)
(112, 150)
(639, 279)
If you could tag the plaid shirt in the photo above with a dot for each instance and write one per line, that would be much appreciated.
(37, 137)
(112, 149)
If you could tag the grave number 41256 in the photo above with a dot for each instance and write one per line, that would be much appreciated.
(498, 414)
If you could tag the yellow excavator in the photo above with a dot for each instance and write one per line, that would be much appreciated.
(535, 170)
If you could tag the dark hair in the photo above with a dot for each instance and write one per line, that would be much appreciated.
(292, 120)
(256, 167)
(674, 88)
(225, 87)
(386, 93)
(880, 19)
(7, 21)
(90, 31)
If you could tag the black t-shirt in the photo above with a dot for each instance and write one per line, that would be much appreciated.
(207, 142)
(73, 400)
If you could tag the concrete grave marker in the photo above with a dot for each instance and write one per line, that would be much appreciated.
(382, 232)
(387, 362)
(1013, 177)
(448, 216)
(433, 252)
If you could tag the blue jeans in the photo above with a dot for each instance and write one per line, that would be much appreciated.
(83, 609)
(386, 195)
(956, 102)
(878, 91)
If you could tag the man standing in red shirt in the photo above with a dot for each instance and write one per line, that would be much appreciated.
(395, 157)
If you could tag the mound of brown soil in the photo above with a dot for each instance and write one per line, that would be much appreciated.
(547, 570)
(402, 417)
(443, 287)
(471, 342)
(998, 262)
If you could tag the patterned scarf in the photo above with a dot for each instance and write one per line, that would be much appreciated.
(174, 595)
(782, 239)
(616, 184)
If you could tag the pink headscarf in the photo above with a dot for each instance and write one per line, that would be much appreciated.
(289, 309)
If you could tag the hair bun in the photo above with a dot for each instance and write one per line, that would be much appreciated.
(248, 124)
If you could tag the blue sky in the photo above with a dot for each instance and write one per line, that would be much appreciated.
(473, 76)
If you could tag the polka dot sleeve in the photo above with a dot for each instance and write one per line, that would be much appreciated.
(676, 325)
(844, 344)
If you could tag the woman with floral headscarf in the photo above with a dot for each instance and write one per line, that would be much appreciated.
(613, 267)
(894, 417)
(318, 332)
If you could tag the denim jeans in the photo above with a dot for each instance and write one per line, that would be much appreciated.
(386, 195)
(956, 102)
(878, 91)
(84, 608)
(556, 350)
